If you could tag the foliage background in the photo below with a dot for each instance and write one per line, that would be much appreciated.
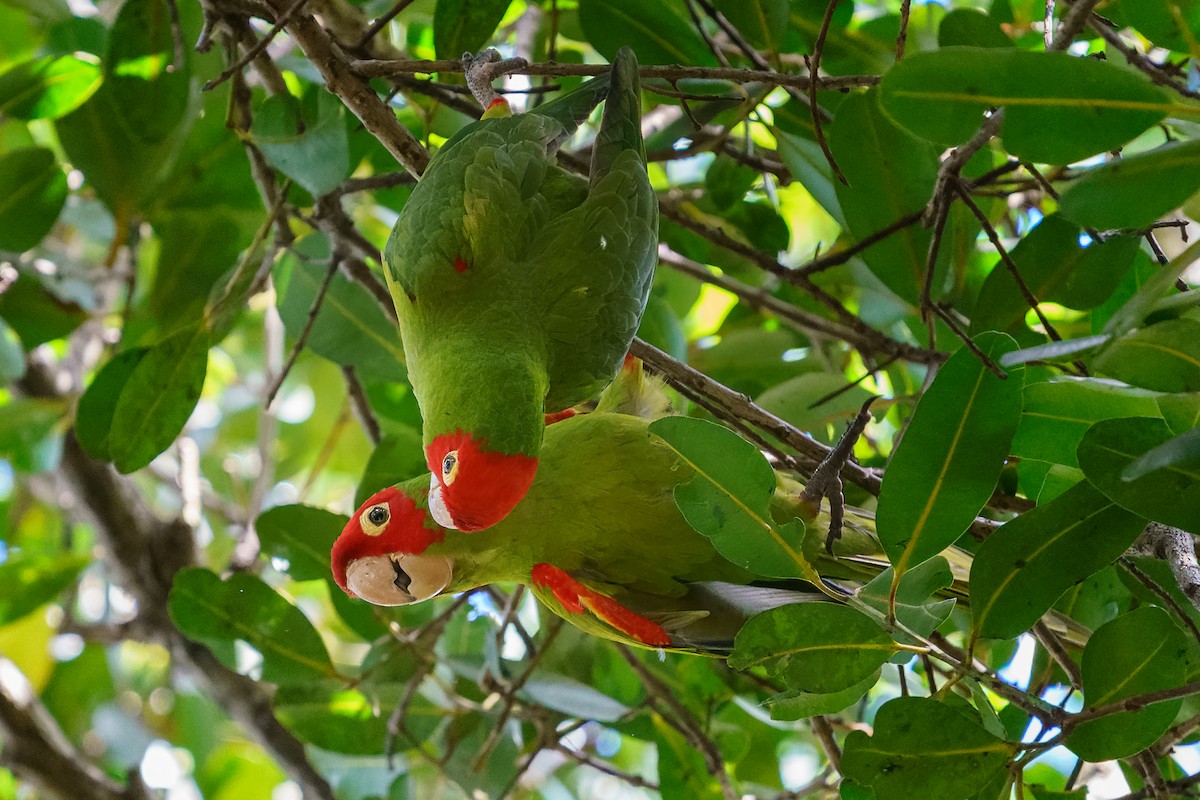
(190, 291)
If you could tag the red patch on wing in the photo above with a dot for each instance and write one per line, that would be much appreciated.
(460, 264)
(559, 416)
(405, 532)
(575, 597)
(488, 484)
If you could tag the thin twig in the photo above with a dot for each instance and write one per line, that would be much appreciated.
(302, 338)
(381, 22)
(815, 69)
(257, 48)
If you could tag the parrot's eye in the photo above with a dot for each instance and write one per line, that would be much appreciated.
(450, 467)
(374, 518)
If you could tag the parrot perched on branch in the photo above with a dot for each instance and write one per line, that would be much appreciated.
(598, 539)
(519, 285)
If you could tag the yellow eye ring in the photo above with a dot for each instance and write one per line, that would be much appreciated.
(450, 467)
(374, 520)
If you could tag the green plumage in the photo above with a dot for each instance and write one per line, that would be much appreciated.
(553, 271)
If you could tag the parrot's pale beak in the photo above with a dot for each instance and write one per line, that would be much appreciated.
(437, 504)
(399, 579)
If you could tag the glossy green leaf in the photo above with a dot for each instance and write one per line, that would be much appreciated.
(1167, 23)
(1135, 191)
(305, 141)
(1164, 357)
(1026, 565)
(813, 647)
(659, 33)
(762, 22)
(1173, 452)
(969, 26)
(799, 705)
(915, 604)
(243, 608)
(1056, 268)
(1137, 653)
(729, 499)
(157, 399)
(351, 328)
(1057, 413)
(1170, 495)
(301, 536)
(94, 414)
(31, 581)
(948, 462)
(923, 748)
(1059, 108)
(465, 25)
(891, 174)
(793, 401)
(47, 87)
(33, 189)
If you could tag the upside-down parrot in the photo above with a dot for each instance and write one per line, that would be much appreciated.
(519, 285)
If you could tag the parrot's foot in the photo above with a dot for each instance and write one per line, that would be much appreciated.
(484, 67)
(826, 480)
(575, 598)
(559, 416)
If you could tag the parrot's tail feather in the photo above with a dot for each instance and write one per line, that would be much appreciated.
(621, 126)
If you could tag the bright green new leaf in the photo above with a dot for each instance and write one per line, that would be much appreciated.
(923, 748)
(47, 87)
(729, 499)
(465, 25)
(243, 608)
(1164, 357)
(33, 189)
(94, 414)
(815, 647)
(157, 399)
(301, 536)
(1026, 565)
(1134, 192)
(1058, 108)
(657, 32)
(1170, 495)
(1137, 653)
(948, 462)
(1058, 412)
(31, 581)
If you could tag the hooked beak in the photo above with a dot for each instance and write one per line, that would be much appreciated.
(398, 579)
(437, 504)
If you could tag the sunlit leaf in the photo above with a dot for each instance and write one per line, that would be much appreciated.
(47, 87)
(32, 581)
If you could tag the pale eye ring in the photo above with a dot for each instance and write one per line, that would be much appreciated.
(450, 467)
(374, 519)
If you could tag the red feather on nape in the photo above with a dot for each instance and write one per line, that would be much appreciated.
(487, 485)
(406, 532)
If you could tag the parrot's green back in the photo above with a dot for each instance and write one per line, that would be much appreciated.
(518, 285)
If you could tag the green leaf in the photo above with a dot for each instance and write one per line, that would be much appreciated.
(1134, 192)
(12, 355)
(158, 398)
(1137, 653)
(1058, 413)
(729, 498)
(94, 415)
(1177, 451)
(727, 181)
(300, 535)
(1170, 495)
(398, 457)
(1164, 357)
(793, 401)
(658, 32)
(35, 314)
(33, 189)
(47, 87)
(969, 26)
(1054, 351)
(1056, 268)
(31, 581)
(232, 292)
(813, 647)
(1026, 565)
(891, 175)
(196, 249)
(914, 604)
(799, 705)
(571, 697)
(335, 719)
(806, 162)
(351, 328)
(762, 22)
(305, 141)
(923, 748)
(948, 462)
(465, 25)
(27, 433)
(243, 608)
(1167, 23)
(1059, 108)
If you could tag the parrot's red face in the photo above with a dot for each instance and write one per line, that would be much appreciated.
(472, 488)
(380, 555)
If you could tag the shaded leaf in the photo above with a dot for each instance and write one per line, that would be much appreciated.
(1026, 565)
(465, 25)
(33, 189)
(968, 26)
(1134, 192)
(799, 705)
(572, 697)
(1178, 451)
(948, 462)
(762, 22)
(1164, 357)
(813, 647)
(806, 162)
(31, 581)
(1170, 495)
(35, 314)
(793, 401)
(923, 748)
(1137, 653)
(27, 433)
(398, 457)
(1059, 108)
(1057, 414)
(915, 606)
(1054, 351)
(94, 415)
(47, 87)
(727, 181)
(305, 141)
(301, 536)
(12, 355)
(658, 32)
(1168, 23)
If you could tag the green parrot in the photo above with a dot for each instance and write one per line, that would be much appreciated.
(598, 539)
(519, 285)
